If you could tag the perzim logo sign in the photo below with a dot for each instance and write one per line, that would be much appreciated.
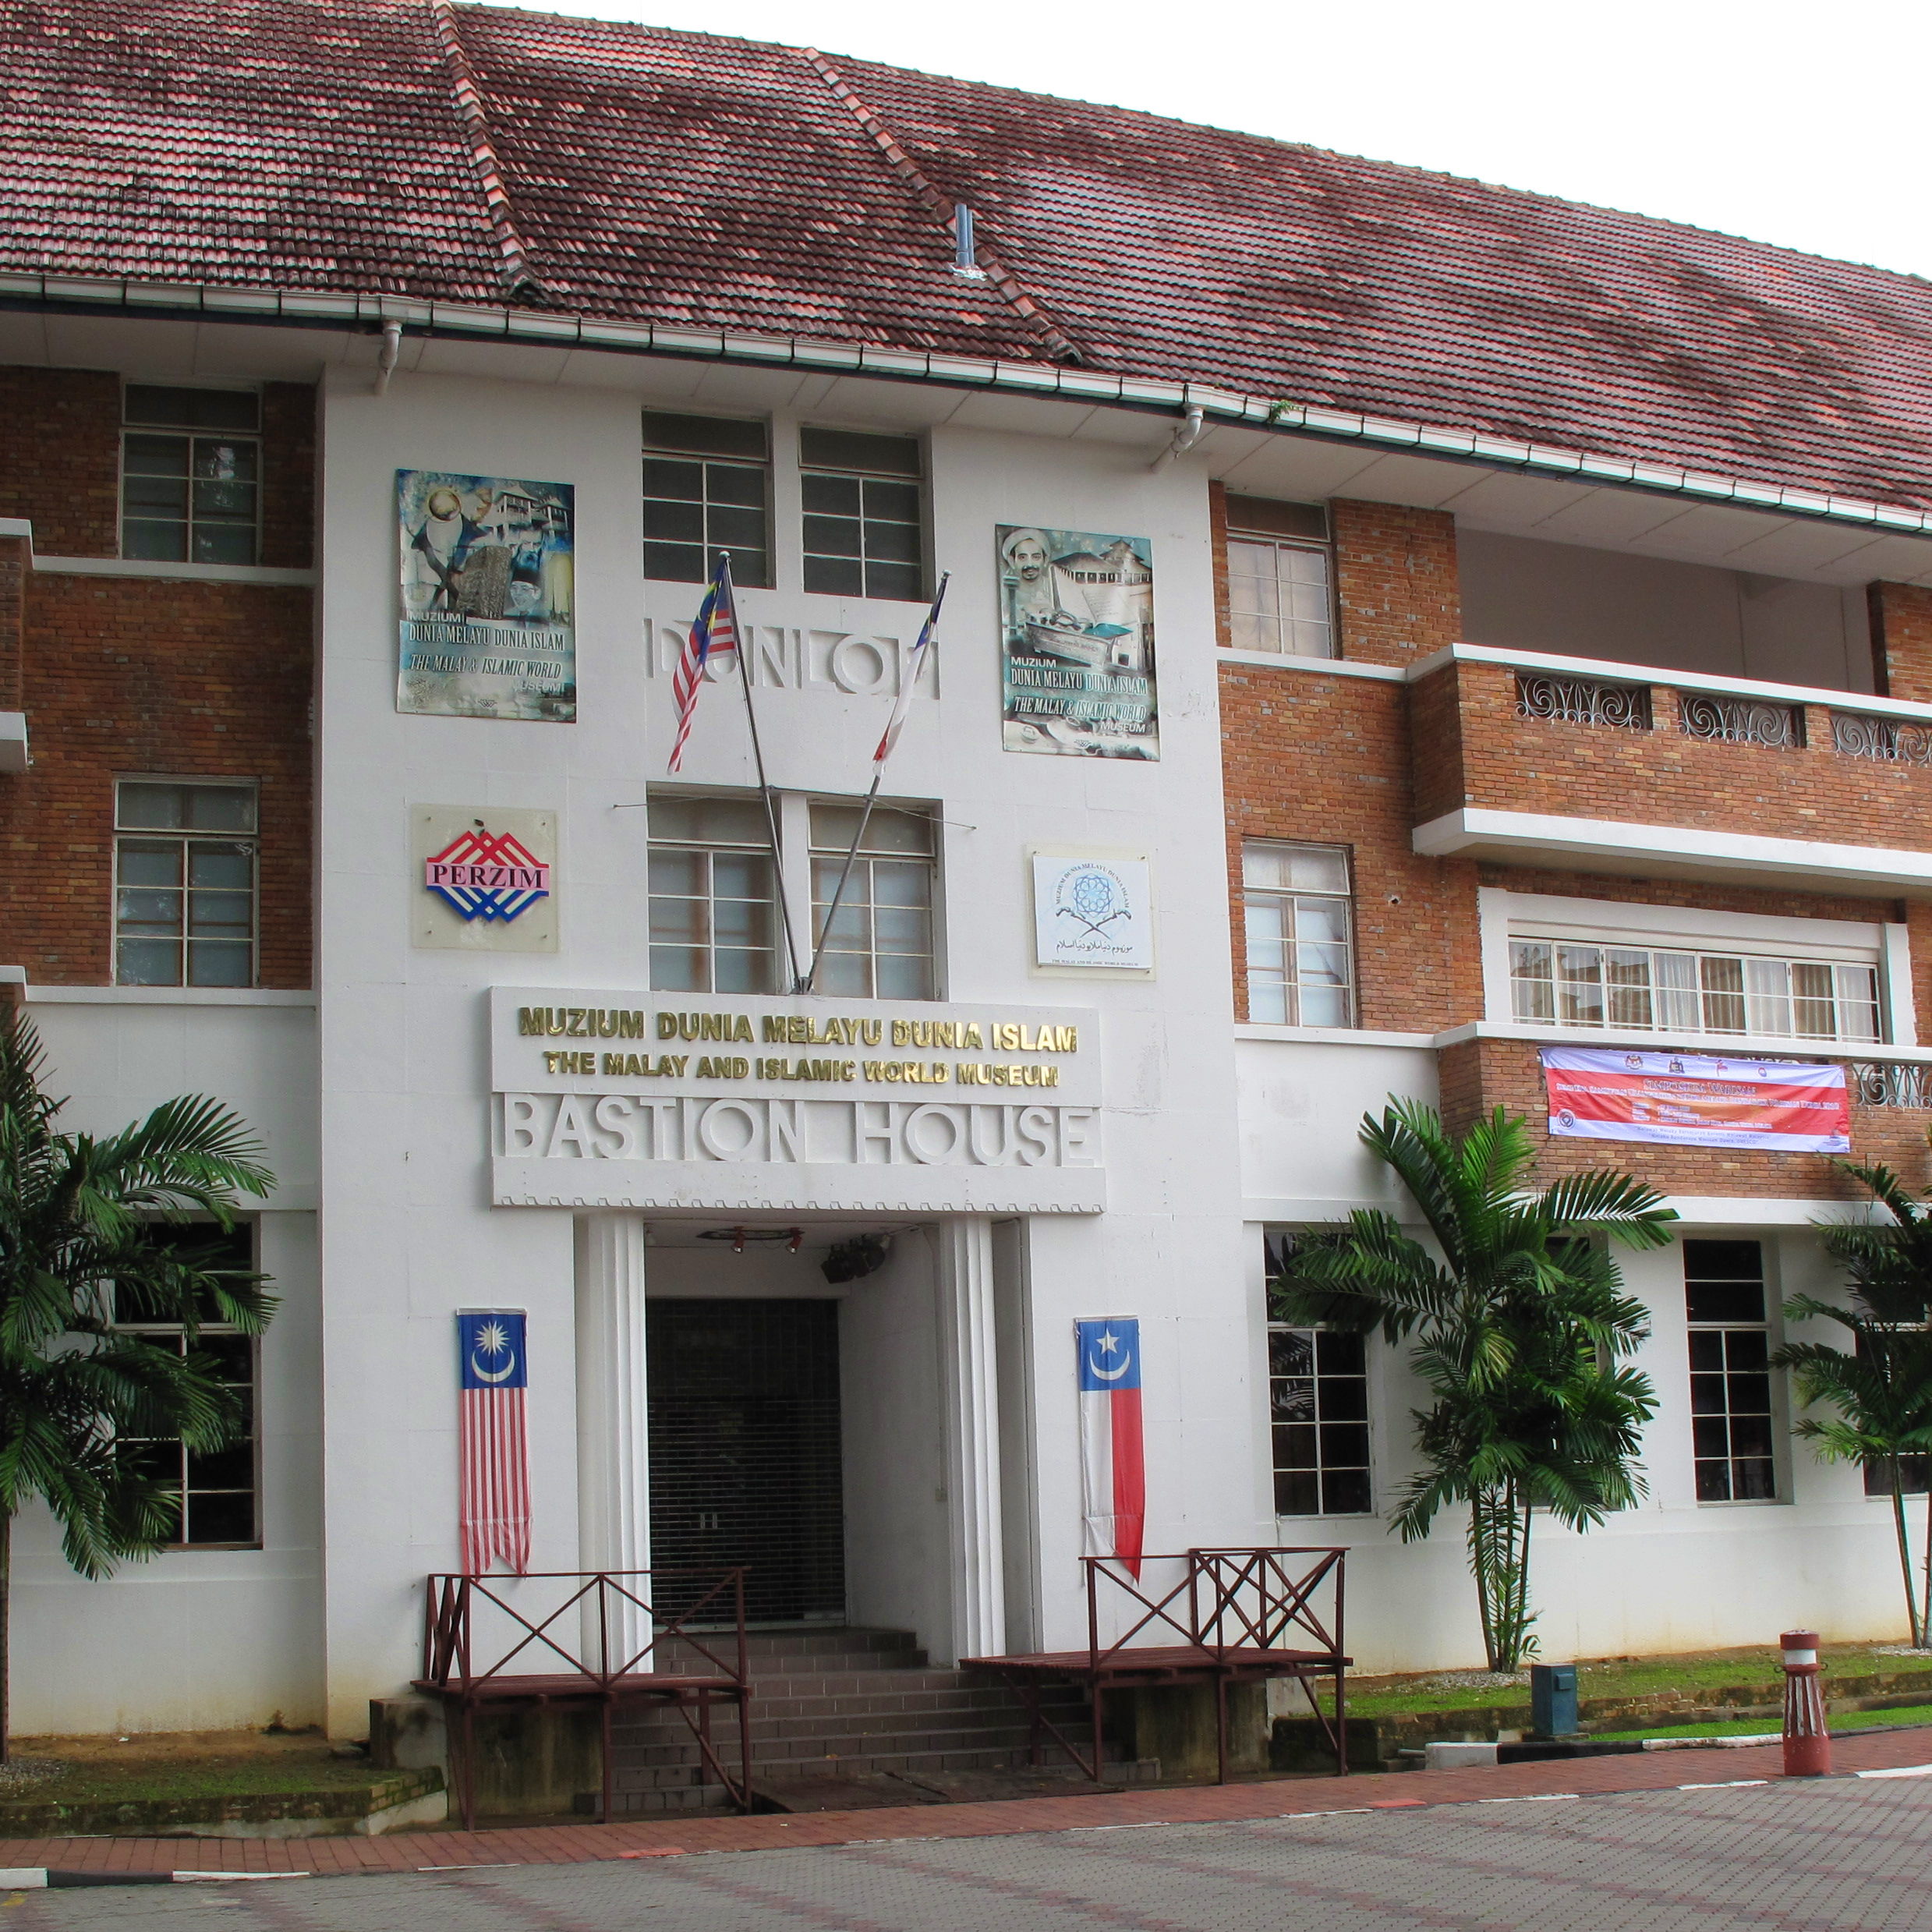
(482, 877)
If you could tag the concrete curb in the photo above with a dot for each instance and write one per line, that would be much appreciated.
(41, 1878)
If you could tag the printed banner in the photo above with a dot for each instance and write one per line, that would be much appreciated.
(1697, 1100)
(1112, 1459)
(493, 1449)
(489, 620)
(1076, 642)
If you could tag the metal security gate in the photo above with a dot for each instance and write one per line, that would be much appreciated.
(746, 1466)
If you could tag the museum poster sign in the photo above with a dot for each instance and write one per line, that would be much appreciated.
(1076, 642)
(488, 629)
(1697, 1100)
(693, 1100)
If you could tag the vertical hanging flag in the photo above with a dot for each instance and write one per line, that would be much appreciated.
(909, 678)
(493, 1508)
(714, 629)
(1113, 1465)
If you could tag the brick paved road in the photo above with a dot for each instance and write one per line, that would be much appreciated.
(1834, 1856)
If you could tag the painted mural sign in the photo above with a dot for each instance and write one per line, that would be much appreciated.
(1697, 1100)
(1076, 642)
(489, 602)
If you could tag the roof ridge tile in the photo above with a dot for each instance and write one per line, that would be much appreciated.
(518, 277)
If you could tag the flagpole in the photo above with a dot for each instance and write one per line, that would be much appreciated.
(879, 772)
(764, 785)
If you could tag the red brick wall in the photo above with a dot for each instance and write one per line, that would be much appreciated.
(1661, 776)
(13, 572)
(60, 463)
(131, 674)
(60, 457)
(1479, 1075)
(1902, 640)
(1325, 759)
(1394, 581)
(288, 475)
(1218, 538)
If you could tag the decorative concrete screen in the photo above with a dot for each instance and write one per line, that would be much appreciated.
(627, 1100)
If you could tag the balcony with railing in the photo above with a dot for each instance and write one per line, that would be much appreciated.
(1530, 759)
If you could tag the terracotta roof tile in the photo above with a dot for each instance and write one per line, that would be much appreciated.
(680, 177)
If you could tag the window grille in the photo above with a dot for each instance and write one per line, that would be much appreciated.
(1318, 1386)
(1281, 593)
(217, 1492)
(880, 945)
(191, 475)
(184, 889)
(1298, 914)
(706, 489)
(713, 908)
(1638, 988)
(1742, 720)
(865, 531)
(1733, 1425)
(1583, 701)
(1857, 735)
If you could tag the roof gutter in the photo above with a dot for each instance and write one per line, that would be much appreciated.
(1225, 407)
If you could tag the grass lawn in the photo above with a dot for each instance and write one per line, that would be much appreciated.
(179, 1765)
(1622, 1677)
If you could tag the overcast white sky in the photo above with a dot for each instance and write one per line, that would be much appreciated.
(1802, 126)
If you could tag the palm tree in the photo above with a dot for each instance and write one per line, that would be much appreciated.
(1881, 1387)
(78, 1251)
(1521, 1325)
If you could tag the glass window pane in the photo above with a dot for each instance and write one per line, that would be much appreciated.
(893, 502)
(735, 530)
(675, 563)
(726, 482)
(156, 455)
(150, 807)
(220, 808)
(832, 496)
(892, 542)
(229, 866)
(677, 969)
(673, 522)
(1345, 1492)
(149, 863)
(850, 449)
(904, 583)
(682, 482)
(705, 435)
(833, 536)
(1291, 1351)
(145, 962)
(1267, 1000)
(220, 1518)
(219, 963)
(835, 577)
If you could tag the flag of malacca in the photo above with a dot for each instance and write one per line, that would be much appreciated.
(493, 1459)
(1113, 1462)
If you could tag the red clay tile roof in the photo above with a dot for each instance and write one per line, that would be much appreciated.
(663, 177)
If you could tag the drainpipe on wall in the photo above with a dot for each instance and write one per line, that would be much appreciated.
(1185, 438)
(390, 354)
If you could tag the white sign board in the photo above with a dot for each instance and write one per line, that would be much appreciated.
(1092, 912)
(696, 1100)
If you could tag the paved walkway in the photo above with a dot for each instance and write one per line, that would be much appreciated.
(417, 1851)
(1849, 1854)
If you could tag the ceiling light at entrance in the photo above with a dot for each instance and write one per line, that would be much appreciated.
(741, 1238)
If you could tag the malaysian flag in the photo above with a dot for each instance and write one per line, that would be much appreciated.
(1113, 1462)
(909, 678)
(493, 1511)
(715, 628)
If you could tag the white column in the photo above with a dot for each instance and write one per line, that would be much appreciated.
(970, 1366)
(613, 1518)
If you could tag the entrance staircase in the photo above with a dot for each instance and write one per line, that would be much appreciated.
(838, 1707)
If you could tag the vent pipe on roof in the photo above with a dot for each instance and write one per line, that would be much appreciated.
(1183, 438)
(390, 354)
(965, 255)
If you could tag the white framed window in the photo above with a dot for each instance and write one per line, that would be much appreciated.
(714, 905)
(865, 518)
(1734, 1409)
(184, 883)
(217, 1493)
(1281, 596)
(1317, 1403)
(1297, 913)
(879, 945)
(1668, 989)
(707, 488)
(191, 464)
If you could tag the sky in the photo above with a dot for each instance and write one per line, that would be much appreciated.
(1798, 126)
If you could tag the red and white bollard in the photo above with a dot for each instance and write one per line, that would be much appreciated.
(1808, 1741)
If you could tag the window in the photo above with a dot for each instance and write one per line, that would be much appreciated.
(713, 910)
(1639, 989)
(218, 1490)
(705, 490)
(190, 474)
(1732, 1423)
(1297, 907)
(184, 883)
(1317, 1389)
(1279, 597)
(864, 531)
(879, 946)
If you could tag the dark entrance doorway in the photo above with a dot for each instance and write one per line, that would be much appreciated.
(745, 1465)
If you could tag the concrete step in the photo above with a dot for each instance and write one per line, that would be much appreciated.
(961, 1699)
(770, 1752)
